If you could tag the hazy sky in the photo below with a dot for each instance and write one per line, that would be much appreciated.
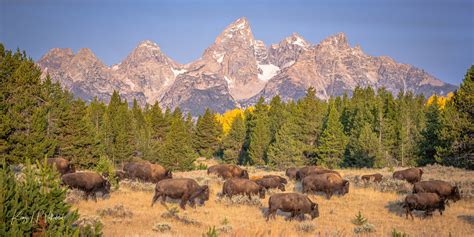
(437, 36)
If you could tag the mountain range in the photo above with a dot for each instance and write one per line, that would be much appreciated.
(235, 71)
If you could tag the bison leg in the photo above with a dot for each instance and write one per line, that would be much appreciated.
(155, 197)
(408, 211)
(94, 196)
(184, 200)
(328, 194)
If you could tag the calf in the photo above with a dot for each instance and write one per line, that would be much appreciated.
(374, 177)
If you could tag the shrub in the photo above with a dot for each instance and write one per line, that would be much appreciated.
(362, 224)
(161, 227)
(396, 233)
(106, 167)
(118, 211)
(200, 167)
(48, 214)
(305, 227)
(211, 232)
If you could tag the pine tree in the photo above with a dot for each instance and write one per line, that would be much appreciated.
(140, 132)
(363, 148)
(286, 150)
(332, 142)
(177, 152)
(260, 135)
(430, 140)
(232, 143)
(208, 134)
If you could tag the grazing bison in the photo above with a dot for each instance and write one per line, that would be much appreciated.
(236, 186)
(291, 172)
(296, 203)
(374, 177)
(411, 175)
(181, 188)
(310, 170)
(62, 165)
(146, 171)
(444, 189)
(279, 178)
(89, 182)
(270, 182)
(328, 183)
(427, 202)
(120, 174)
(226, 171)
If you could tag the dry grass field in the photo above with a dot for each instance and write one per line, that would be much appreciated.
(128, 213)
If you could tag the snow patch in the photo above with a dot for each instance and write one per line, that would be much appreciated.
(219, 57)
(229, 82)
(268, 71)
(115, 67)
(176, 72)
(300, 42)
(288, 64)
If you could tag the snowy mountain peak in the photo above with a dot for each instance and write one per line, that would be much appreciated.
(296, 39)
(148, 44)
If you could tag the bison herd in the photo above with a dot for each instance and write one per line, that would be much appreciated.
(427, 196)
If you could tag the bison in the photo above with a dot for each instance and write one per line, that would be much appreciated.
(411, 175)
(62, 165)
(328, 183)
(89, 182)
(291, 172)
(427, 202)
(296, 203)
(120, 174)
(279, 178)
(310, 170)
(236, 186)
(146, 171)
(181, 188)
(374, 177)
(270, 182)
(227, 171)
(444, 189)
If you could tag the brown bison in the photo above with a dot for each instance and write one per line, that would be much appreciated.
(120, 174)
(411, 175)
(146, 171)
(279, 178)
(444, 189)
(291, 172)
(240, 186)
(181, 188)
(62, 165)
(270, 182)
(296, 203)
(427, 202)
(328, 183)
(89, 182)
(227, 171)
(372, 177)
(310, 170)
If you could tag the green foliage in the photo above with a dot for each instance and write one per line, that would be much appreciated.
(176, 152)
(259, 134)
(396, 233)
(286, 150)
(211, 232)
(232, 143)
(332, 142)
(208, 134)
(362, 225)
(34, 202)
(106, 166)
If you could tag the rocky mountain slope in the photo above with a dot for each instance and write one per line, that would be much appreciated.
(235, 71)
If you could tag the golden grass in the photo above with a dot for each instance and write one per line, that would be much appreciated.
(335, 214)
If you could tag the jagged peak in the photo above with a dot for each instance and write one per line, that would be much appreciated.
(56, 51)
(297, 39)
(148, 44)
(338, 40)
(239, 24)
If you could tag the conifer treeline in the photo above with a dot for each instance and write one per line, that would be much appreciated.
(369, 129)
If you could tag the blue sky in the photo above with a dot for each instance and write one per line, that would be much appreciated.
(437, 36)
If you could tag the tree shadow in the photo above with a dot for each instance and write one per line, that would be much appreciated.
(467, 218)
(396, 207)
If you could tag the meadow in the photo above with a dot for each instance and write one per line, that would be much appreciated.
(127, 212)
